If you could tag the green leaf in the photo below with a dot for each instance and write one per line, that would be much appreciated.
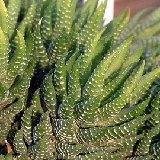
(74, 7)
(36, 103)
(95, 134)
(88, 7)
(66, 108)
(86, 113)
(43, 128)
(129, 113)
(112, 108)
(113, 85)
(12, 110)
(131, 26)
(5, 126)
(74, 87)
(65, 131)
(4, 45)
(59, 47)
(1, 157)
(18, 63)
(3, 93)
(31, 58)
(46, 27)
(63, 19)
(85, 60)
(29, 17)
(40, 49)
(72, 151)
(14, 7)
(114, 29)
(121, 27)
(145, 143)
(100, 155)
(148, 32)
(49, 95)
(144, 85)
(43, 149)
(140, 157)
(148, 22)
(27, 125)
(92, 27)
(9, 156)
(19, 144)
(133, 58)
(107, 66)
(20, 88)
(70, 62)
(60, 79)
(3, 17)
(150, 42)
(155, 149)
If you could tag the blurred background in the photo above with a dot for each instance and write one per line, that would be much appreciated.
(134, 5)
(115, 7)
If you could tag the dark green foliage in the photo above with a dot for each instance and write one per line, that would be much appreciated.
(72, 88)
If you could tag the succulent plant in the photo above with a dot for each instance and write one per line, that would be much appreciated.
(146, 35)
(73, 88)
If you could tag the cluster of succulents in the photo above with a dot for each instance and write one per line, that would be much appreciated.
(73, 88)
